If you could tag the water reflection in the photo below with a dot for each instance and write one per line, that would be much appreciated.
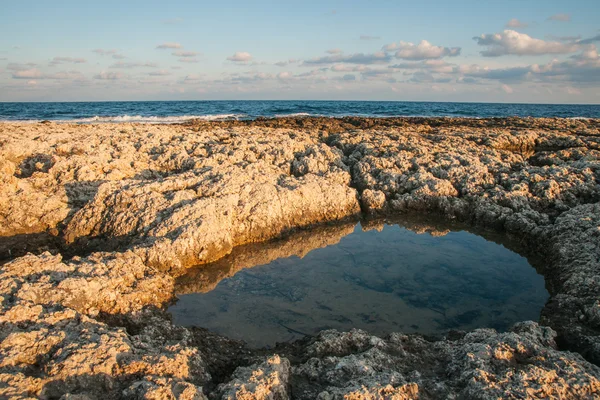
(413, 277)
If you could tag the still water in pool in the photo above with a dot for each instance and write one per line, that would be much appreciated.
(382, 278)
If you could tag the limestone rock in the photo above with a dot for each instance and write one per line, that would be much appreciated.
(115, 212)
(265, 381)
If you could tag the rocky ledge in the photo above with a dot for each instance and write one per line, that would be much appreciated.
(97, 222)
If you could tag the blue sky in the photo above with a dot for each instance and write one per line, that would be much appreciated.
(509, 51)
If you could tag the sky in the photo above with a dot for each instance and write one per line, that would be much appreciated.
(525, 51)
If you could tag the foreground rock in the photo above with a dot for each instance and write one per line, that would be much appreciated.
(116, 212)
(482, 364)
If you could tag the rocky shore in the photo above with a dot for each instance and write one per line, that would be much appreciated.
(98, 221)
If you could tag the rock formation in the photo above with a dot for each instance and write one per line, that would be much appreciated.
(111, 214)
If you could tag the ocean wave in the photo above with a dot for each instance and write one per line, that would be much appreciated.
(155, 119)
(298, 114)
(150, 119)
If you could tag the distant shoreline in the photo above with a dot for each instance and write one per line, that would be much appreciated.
(294, 120)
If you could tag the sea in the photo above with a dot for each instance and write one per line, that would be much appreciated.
(181, 111)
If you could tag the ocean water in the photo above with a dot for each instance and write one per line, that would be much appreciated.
(179, 111)
(383, 278)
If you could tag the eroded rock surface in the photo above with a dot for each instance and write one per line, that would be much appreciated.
(268, 380)
(139, 204)
(482, 364)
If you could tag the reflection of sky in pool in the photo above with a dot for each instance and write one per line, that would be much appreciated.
(388, 281)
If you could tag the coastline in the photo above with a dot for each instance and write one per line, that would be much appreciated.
(127, 208)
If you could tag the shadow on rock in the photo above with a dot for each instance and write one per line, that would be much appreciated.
(35, 163)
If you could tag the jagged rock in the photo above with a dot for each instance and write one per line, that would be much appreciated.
(265, 381)
(483, 364)
(372, 200)
(102, 283)
(53, 351)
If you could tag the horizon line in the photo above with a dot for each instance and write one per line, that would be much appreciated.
(299, 100)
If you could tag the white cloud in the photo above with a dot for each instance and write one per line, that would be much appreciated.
(118, 56)
(365, 72)
(188, 60)
(240, 56)
(507, 89)
(513, 42)
(560, 17)
(439, 66)
(185, 53)
(515, 23)
(169, 45)
(358, 58)
(334, 51)
(588, 53)
(422, 51)
(583, 69)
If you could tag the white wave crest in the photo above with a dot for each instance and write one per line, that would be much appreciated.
(155, 119)
(299, 114)
(137, 118)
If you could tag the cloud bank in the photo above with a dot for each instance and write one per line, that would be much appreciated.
(422, 51)
(511, 42)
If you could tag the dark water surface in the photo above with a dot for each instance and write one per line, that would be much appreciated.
(383, 280)
(179, 111)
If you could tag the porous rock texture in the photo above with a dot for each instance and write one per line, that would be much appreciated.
(113, 213)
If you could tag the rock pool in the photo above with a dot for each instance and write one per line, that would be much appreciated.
(378, 277)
